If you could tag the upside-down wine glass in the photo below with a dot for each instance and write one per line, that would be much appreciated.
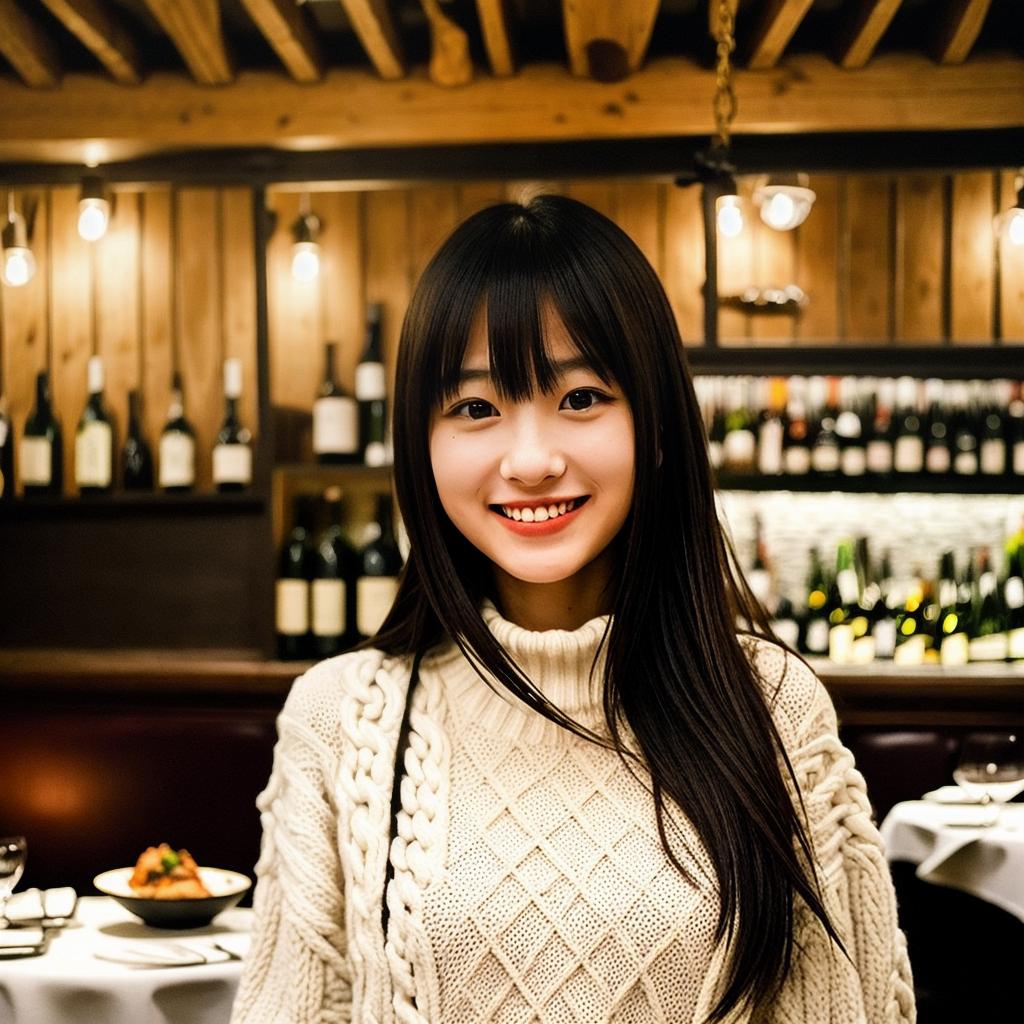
(13, 851)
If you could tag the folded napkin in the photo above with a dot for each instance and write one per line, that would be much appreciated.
(951, 795)
(32, 906)
(15, 942)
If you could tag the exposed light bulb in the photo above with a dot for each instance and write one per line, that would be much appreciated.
(1015, 229)
(784, 201)
(1011, 222)
(729, 215)
(305, 261)
(19, 266)
(93, 218)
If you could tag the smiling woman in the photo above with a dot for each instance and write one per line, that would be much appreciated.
(614, 795)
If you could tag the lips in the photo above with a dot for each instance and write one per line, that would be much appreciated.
(539, 527)
(538, 511)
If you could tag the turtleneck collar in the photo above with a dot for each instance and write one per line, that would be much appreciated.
(560, 663)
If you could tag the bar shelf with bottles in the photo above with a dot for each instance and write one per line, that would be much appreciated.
(865, 433)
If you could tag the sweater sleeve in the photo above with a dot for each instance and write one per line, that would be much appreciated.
(849, 851)
(296, 971)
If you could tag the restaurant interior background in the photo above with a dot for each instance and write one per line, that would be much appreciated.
(138, 668)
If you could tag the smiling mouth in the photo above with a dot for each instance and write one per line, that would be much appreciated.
(540, 513)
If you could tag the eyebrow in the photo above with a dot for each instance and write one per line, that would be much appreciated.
(562, 367)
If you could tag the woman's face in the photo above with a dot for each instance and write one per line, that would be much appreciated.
(542, 486)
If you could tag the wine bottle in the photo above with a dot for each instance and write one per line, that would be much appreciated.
(950, 629)
(862, 614)
(1015, 429)
(232, 451)
(177, 469)
(938, 457)
(292, 590)
(716, 423)
(825, 453)
(908, 451)
(6, 453)
(784, 623)
(772, 428)
(881, 443)
(816, 625)
(988, 625)
(739, 449)
(335, 417)
(136, 458)
(379, 565)
(759, 579)
(1013, 596)
(912, 637)
(991, 440)
(850, 430)
(796, 452)
(94, 440)
(965, 438)
(332, 597)
(371, 393)
(884, 619)
(40, 455)
(842, 604)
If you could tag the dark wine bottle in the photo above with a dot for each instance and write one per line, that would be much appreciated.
(94, 439)
(908, 451)
(1013, 597)
(938, 456)
(136, 458)
(1015, 429)
(177, 444)
(232, 451)
(992, 446)
(335, 417)
(291, 594)
(988, 623)
(965, 436)
(850, 430)
(842, 606)
(796, 450)
(335, 568)
(6, 453)
(371, 394)
(759, 578)
(716, 431)
(41, 455)
(380, 562)
(739, 447)
(884, 624)
(816, 624)
(882, 434)
(862, 615)
(913, 639)
(825, 455)
(951, 628)
(771, 429)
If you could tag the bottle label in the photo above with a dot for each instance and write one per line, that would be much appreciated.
(955, 649)
(853, 461)
(740, 448)
(825, 458)
(93, 459)
(1018, 458)
(787, 631)
(328, 607)
(292, 607)
(885, 638)
(374, 597)
(840, 644)
(371, 382)
(846, 583)
(909, 455)
(988, 648)
(335, 426)
(769, 449)
(937, 460)
(993, 456)
(376, 454)
(797, 459)
(1014, 592)
(966, 463)
(910, 652)
(947, 593)
(715, 454)
(1015, 644)
(177, 460)
(232, 464)
(34, 458)
(879, 457)
(864, 650)
(817, 638)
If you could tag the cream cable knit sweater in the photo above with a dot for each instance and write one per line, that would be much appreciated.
(529, 883)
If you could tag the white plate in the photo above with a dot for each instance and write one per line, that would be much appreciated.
(218, 881)
(163, 954)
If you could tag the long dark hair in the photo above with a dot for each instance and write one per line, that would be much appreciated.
(696, 709)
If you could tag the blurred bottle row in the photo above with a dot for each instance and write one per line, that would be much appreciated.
(860, 612)
(863, 426)
(330, 594)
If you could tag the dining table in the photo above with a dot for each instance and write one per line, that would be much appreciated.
(105, 965)
(977, 848)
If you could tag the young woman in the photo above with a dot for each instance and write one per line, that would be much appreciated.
(610, 804)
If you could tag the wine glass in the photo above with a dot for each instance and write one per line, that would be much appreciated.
(991, 766)
(13, 851)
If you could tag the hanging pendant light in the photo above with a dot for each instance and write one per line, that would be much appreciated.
(19, 266)
(784, 200)
(306, 245)
(1011, 222)
(93, 209)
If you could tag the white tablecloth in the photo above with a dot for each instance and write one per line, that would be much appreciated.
(987, 862)
(68, 984)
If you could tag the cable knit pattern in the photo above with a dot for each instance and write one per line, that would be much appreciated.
(529, 882)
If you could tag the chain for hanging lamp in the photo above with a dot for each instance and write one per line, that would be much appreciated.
(725, 96)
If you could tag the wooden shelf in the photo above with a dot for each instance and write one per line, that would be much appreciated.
(896, 483)
(106, 506)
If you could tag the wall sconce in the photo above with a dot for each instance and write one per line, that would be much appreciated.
(1011, 221)
(19, 263)
(306, 247)
(93, 209)
(785, 200)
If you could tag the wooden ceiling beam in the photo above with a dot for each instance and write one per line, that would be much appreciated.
(958, 29)
(101, 33)
(495, 24)
(863, 31)
(285, 28)
(669, 96)
(195, 28)
(781, 18)
(607, 41)
(28, 48)
(372, 22)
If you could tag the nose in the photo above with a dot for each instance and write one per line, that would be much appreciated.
(533, 455)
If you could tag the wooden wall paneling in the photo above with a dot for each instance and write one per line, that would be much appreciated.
(920, 241)
(71, 313)
(201, 352)
(638, 211)
(972, 263)
(26, 342)
(867, 280)
(154, 288)
(817, 245)
(1011, 271)
(683, 259)
(239, 302)
(117, 316)
(477, 195)
(774, 255)
(343, 245)
(736, 272)
(434, 214)
(600, 194)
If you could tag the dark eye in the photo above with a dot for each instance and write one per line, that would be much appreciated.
(582, 399)
(475, 409)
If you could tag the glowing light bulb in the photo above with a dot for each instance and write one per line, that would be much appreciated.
(784, 200)
(19, 266)
(1015, 227)
(729, 216)
(305, 261)
(93, 217)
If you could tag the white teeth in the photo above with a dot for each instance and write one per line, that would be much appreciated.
(561, 509)
(540, 515)
(517, 515)
(552, 511)
(528, 516)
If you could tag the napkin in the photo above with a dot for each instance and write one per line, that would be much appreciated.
(950, 795)
(32, 905)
